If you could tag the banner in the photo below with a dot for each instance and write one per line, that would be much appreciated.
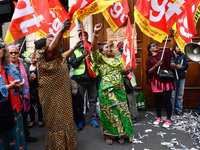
(116, 14)
(126, 55)
(155, 18)
(185, 27)
(41, 17)
(83, 8)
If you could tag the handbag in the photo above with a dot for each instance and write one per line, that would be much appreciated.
(129, 88)
(6, 114)
(166, 74)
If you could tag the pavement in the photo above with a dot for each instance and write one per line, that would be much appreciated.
(182, 135)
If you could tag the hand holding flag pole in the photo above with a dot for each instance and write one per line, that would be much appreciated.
(163, 53)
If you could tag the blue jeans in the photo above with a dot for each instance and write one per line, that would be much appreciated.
(177, 95)
(198, 109)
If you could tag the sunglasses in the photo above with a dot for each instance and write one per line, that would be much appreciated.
(11, 53)
(152, 45)
(2, 46)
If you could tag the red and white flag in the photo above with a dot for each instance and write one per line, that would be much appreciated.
(40, 17)
(126, 55)
(116, 14)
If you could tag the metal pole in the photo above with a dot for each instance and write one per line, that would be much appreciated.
(132, 43)
(163, 52)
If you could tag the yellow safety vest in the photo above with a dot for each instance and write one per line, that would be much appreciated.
(81, 68)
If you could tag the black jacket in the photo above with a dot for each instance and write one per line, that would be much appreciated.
(181, 60)
(75, 62)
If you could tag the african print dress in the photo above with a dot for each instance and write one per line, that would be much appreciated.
(115, 116)
(56, 101)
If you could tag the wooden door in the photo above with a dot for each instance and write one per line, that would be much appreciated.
(192, 85)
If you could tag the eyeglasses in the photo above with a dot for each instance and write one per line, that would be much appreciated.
(152, 45)
(2, 46)
(11, 53)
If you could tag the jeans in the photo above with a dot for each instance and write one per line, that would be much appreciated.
(132, 105)
(91, 89)
(177, 95)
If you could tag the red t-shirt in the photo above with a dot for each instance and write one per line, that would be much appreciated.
(15, 99)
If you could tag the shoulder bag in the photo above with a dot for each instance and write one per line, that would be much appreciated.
(6, 114)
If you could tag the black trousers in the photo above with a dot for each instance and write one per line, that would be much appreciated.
(25, 123)
(163, 96)
(32, 112)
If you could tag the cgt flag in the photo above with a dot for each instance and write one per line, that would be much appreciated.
(155, 18)
(31, 16)
(126, 55)
(185, 27)
(83, 8)
(116, 14)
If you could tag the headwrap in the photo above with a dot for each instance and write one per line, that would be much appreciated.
(13, 46)
(119, 45)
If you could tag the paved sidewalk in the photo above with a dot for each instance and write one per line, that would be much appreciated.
(148, 136)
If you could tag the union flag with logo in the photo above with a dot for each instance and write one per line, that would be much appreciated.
(185, 27)
(116, 14)
(41, 17)
(156, 17)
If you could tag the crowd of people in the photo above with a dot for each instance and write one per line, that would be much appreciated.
(46, 86)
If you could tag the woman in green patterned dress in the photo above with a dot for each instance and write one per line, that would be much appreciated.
(115, 116)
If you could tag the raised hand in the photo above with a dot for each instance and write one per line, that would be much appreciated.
(66, 25)
(97, 28)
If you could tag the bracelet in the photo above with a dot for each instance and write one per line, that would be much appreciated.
(95, 35)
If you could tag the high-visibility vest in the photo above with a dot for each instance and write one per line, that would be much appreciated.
(81, 68)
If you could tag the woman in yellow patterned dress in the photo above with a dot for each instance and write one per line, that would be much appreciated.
(115, 116)
(55, 92)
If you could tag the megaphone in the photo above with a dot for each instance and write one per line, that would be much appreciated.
(192, 50)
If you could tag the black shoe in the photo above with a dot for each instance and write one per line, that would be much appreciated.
(134, 120)
(179, 113)
(31, 139)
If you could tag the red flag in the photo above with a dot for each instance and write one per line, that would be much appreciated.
(32, 16)
(155, 18)
(116, 14)
(126, 55)
(185, 28)
(78, 4)
(88, 47)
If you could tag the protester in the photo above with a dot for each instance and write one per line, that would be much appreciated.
(180, 65)
(55, 92)
(78, 103)
(112, 95)
(130, 96)
(161, 87)
(11, 87)
(34, 94)
(23, 69)
(82, 78)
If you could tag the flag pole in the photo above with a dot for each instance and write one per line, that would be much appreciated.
(22, 45)
(163, 52)
(132, 43)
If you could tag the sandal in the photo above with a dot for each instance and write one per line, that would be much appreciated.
(108, 140)
(121, 141)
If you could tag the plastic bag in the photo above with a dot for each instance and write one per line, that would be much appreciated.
(141, 101)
